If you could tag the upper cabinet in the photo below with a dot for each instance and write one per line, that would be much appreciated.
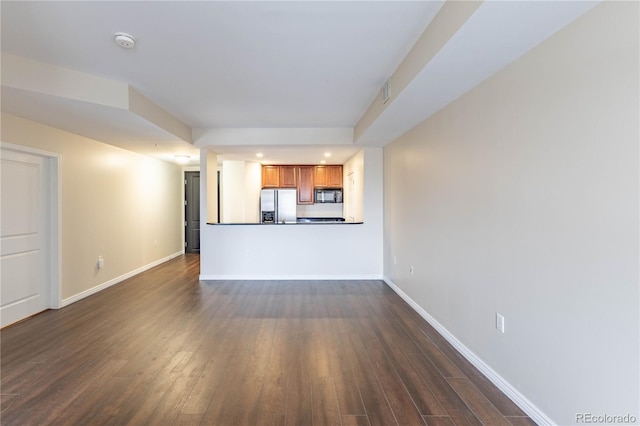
(271, 176)
(328, 176)
(287, 176)
(305, 184)
(303, 178)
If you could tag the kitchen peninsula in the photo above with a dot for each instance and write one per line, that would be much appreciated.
(302, 250)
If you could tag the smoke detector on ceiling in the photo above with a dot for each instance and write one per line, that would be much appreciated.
(124, 40)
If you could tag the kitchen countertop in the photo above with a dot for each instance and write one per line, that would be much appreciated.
(301, 221)
(290, 223)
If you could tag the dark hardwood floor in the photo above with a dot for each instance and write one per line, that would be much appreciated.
(163, 348)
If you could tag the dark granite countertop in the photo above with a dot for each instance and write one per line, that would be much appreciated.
(291, 223)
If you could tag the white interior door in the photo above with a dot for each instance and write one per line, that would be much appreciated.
(25, 286)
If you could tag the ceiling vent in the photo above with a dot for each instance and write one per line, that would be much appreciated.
(386, 91)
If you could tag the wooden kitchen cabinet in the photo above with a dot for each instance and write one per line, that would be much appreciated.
(288, 177)
(335, 176)
(328, 176)
(320, 175)
(305, 184)
(304, 178)
(270, 176)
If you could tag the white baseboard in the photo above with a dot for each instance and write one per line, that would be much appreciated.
(114, 281)
(520, 400)
(287, 277)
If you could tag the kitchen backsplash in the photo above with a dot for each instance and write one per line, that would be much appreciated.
(320, 210)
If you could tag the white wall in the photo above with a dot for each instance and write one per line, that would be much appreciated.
(301, 251)
(253, 185)
(232, 192)
(352, 181)
(522, 198)
(241, 182)
(273, 136)
(320, 210)
(116, 204)
(209, 209)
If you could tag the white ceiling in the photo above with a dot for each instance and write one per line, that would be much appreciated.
(229, 64)
(261, 64)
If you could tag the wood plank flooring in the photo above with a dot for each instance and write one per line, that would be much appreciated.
(163, 348)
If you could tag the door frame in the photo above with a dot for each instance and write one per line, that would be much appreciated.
(55, 218)
(184, 210)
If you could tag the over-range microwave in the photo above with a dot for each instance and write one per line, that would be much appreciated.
(328, 195)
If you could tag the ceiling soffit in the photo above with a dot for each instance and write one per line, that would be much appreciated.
(465, 43)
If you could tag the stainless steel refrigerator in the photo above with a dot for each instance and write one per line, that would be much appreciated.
(278, 206)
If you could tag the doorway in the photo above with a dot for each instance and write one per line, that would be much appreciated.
(192, 212)
(29, 259)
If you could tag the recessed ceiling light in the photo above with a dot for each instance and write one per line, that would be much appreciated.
(124, 40)
(327, 154)
(182, 159)
(259, 155)
(323, 162)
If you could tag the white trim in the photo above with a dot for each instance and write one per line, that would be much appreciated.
(183, 228)
(114, 281)
(28, 149)
(520, 400)
(55, 225)
(288, 277)
(183, 195)
(55, 232)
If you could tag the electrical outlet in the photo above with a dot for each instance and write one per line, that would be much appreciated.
(100, 262)
(411, 270)
(395, 260)
(499, 323)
